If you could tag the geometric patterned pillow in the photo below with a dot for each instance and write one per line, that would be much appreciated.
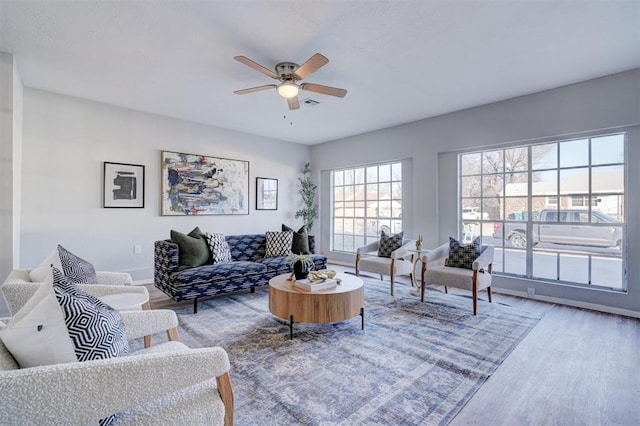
(96, 329)
(278, 243)
(220, 251)
(389, 243)
(463, 256)
(77, 270)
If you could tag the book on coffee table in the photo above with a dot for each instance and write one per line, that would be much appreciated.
(315, 285)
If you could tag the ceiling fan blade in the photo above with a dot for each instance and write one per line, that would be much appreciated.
(256, 66)
(312, 64)
(255, 89)
(293, 103)
(325, 90)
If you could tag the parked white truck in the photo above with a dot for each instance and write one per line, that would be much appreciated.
(564, 227)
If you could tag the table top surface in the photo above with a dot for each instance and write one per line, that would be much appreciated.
(348, 283)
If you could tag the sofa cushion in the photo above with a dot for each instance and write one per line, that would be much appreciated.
(218, 272)
(247, 247)
(193, 249)
(279, 264)
(300, 244)
(278, 243)
(220, 252)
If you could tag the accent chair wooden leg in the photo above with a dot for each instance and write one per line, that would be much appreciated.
(147, 339)
(172, 334)
(226, 395)
(489, 293)
(474, 290)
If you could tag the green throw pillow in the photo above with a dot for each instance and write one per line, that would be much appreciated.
(300, 240)
(193, 249)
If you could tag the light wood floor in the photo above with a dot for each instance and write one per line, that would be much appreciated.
(576, 367)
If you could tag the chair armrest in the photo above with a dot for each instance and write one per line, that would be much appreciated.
(82, 392)
(17, 293)
(485, 259)
(145, 323)
(113, 278)
(439, 253)
(403, 251)
(369, 248)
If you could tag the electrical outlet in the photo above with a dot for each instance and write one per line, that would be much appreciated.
(531, 292)
(137, 249)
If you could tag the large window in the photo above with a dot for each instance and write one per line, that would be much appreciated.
(366, 200)
(554, 211)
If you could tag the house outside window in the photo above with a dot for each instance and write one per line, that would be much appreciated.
(365, 201)
(555, 211)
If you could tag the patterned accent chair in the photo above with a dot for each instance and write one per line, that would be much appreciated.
(165, 384)
(400, 261)
(436, 271)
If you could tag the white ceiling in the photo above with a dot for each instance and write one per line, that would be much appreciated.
(401, 61)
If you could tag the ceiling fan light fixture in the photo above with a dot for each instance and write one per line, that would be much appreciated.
(287, 89)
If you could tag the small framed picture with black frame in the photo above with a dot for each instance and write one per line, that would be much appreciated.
(123, 186)
(266, 194)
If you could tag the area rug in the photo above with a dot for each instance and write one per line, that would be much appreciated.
(413, 364)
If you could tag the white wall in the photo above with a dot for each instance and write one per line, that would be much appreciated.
(65, 141)
(10, 148)
(603, 103)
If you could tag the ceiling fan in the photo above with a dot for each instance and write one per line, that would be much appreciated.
(289, 74)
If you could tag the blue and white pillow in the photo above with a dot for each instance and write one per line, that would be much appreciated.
(389, 243)
(220, 251)
(278, 243)
(461, 255)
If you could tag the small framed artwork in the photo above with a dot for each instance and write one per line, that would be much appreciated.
(266, 194)
(123, 185)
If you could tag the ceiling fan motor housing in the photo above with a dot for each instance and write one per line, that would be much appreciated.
(285, 70)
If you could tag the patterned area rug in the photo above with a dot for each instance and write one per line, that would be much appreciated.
(413, 364)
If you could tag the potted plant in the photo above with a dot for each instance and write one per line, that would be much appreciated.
(301, 265)
(309, 213)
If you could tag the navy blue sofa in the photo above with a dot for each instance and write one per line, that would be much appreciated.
(248, 270)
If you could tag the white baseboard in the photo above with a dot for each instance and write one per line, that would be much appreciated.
(574, 303)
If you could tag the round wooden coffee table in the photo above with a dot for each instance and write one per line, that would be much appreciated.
(344, 301)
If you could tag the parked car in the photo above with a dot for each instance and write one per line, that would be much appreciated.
(473, 213)
(564, 227)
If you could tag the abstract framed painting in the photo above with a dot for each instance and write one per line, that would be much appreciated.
(266, 194)
(123, 186)
(202, 185)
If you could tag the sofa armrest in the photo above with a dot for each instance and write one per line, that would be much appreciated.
(83, 392)
(165, 261)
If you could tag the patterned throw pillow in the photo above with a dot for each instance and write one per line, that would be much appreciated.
(220, 251)
(300, 243)
(278, 243)
(77, 270)
(463, 256)
(389, 243)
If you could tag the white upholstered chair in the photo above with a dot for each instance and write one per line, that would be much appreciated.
(18, 287)
(400, 262)
(435, 271)
(165, 384)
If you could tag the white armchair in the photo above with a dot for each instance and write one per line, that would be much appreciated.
(18, 287)
(435, 271)
(165, 384)
(400, 262)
